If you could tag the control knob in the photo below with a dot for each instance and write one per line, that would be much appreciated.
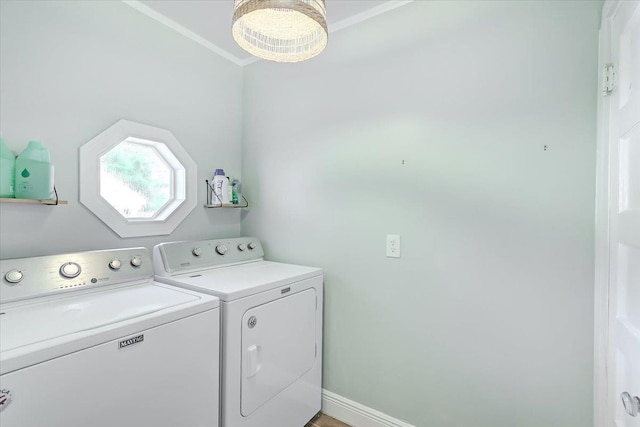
(115, 264)
(13, 276)
(242, 247)
(252, 246)
(197, 251)
(221, 249)
(136, 261)
(70, 270)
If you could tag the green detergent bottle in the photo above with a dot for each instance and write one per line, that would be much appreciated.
(34, 173)
(7, 170)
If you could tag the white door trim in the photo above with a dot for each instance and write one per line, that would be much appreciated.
(601, 286)
(601, 295)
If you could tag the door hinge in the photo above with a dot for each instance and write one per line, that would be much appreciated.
(608, 79)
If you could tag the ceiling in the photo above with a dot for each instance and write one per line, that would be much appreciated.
(208, 22)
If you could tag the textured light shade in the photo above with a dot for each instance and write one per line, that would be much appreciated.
(281, 30)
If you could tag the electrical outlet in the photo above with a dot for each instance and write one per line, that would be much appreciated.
(393, 246)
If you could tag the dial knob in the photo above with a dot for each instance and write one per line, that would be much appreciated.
(197, 251)
(13, 276)
(70, 270)
(221, 249)
(242, 247)
(136, 261)
(115, 264)
(252, 246)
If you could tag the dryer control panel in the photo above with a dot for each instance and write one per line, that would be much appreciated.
(179, 257)
(24, 278)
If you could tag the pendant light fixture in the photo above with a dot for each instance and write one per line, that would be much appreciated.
(281, 30)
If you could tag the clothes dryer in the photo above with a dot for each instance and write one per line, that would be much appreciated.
(271, 327)
(89, 339)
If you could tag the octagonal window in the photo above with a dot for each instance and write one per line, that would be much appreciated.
(137, 179)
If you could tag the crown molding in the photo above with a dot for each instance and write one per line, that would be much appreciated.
(340, 25)
(151, 13)
(368, 14)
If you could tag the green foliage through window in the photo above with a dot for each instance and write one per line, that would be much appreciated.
(142, 177)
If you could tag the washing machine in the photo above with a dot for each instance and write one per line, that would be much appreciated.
(271, 323)
(90, 339)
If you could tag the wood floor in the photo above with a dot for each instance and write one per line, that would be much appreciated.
(322, 420)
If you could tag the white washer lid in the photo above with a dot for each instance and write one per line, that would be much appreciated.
(241, 280)
(32, 329)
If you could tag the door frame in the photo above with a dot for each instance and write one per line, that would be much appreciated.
(602, 401)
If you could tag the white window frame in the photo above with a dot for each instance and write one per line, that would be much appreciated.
(184, 179)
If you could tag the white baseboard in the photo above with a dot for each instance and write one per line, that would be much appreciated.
(355, 414)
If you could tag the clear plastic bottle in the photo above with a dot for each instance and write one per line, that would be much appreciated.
(34, 173)
(220, 185)
(235, 191)
(7, 171)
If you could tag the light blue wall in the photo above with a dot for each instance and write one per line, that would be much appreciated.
(429, 122)
(71, 69)
(487, 318)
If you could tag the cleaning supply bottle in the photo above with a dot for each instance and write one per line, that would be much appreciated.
(34, 173)
(235, 192)
(7, 170)
(220, 185)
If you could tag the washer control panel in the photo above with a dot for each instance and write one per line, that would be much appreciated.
(177, 257)
(29, 277)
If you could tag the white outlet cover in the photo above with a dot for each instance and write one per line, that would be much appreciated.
(393, 246)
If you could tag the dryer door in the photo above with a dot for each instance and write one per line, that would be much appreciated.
(278, 347)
